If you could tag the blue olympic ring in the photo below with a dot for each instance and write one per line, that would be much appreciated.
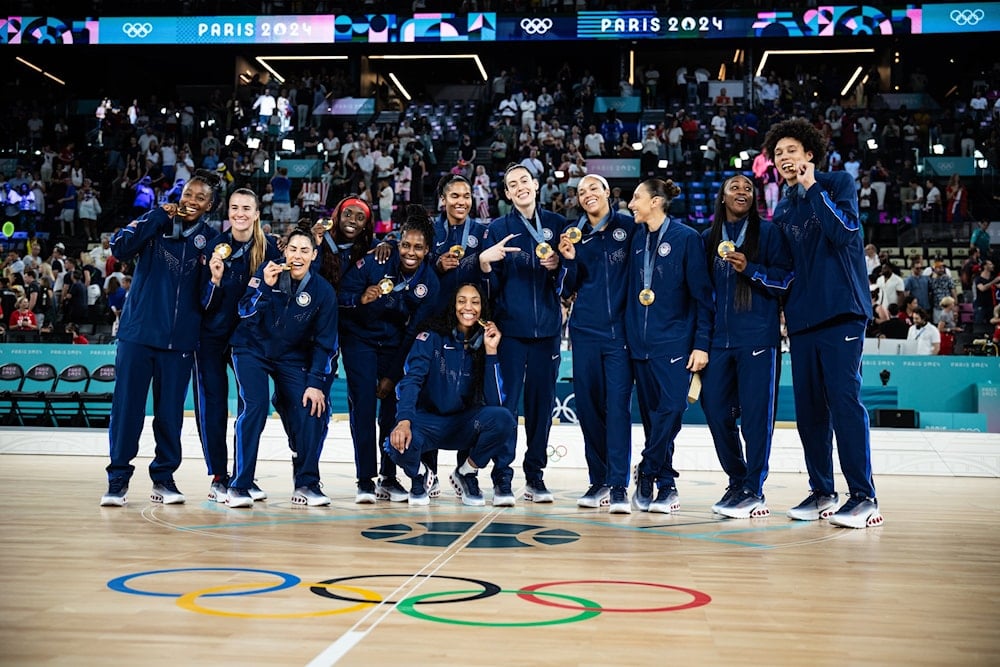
(288, 581)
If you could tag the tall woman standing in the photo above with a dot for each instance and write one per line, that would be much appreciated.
(595, 252)
(235, 256)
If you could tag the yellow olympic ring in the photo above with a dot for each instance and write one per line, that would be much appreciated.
(189, 602)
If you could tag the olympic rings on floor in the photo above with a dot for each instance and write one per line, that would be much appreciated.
(408, 607)
(699, 599)
(189, 601)
(364, 598)
(288, 580)
(489, 589)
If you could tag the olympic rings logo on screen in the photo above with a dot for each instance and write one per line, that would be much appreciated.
(137, 30)
(534, 26)
(358, 598)
(967, 16)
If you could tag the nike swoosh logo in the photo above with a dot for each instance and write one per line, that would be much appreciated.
(757, 353)
(674, 361)
(850, 338)
(587, 240)
(450, 347)
(556, 356)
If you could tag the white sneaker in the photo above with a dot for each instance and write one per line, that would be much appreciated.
(166, 493)
(597, 495)
(666, 500)
(858, 512)
(218, 492)
(239, 498)
(256, 492)
(310, 495)
(816, 506)
(618, 501)
(117, 495)
(744, 505)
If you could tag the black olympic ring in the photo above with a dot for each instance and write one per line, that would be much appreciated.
(967, 16)
(489, 589)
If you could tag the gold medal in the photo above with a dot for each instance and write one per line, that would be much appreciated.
(457, 251)
(543, 250)
(574, 234)
(286, 267)
(223, 250)
(725, 248)
(327, 223)
(482, 322)
(647, 297)
(385, 285)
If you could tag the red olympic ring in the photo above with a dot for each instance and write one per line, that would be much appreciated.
(699, 599)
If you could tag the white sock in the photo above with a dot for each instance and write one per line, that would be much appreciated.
(466, 468)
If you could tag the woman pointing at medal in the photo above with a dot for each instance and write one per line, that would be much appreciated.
(595, 254)
(524, 281)
(750, 270)
(668, 323)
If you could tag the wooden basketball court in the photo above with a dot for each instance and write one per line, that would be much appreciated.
(201, 584)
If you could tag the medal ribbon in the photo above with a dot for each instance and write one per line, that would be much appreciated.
(741, 237)
(599, 228)
(650, 257)
(534, 227)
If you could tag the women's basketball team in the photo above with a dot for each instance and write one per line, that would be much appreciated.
(447, 332)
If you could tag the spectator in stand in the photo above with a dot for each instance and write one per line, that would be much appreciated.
(983, 287)
(145, 197)
(890, 288)
(948, 320)
(74, 330)
(385, 201)
(281, 201)
(918, 286)
(22, 319)
(981, 238)
(593, 143)
(957, 208)
(89, 207)
(916, 201)
(971, 267)
(941, 285)
(927, 338)
(68, 206)
(932, 203)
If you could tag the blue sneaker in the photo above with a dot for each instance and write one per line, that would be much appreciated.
(727, 497)
(745, 505)
(366, 492)
(166, 493)
(597, 495)
(618, 501)
(643, 492)
(239, 498)
(311, 496)
(666, 500)
(418, 491)
(503, 495)
(117, 495)
(536, 492)
(467, 488)
(389, 488)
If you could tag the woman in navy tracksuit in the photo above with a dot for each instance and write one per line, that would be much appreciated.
(382, 306)
(750, 270)
(597, 272)
(249, 247)
(288, 332)
(668, 326)
(451, 397)
(158, 334)
(524, 279)
(455, 256)
(826, 313)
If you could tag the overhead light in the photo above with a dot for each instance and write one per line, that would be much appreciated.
(266, 60)
(637, 146)
(937, 149)
(744, 155)
(267, 166)
(662, 164)
(400, 87)
(631, 67)
(288, 145)
(736, 56)
(559, 173)
(738, 162)
(469, 56)
(872, 144)
(229, 139)
(253, 143)
(983, 164)
(977, 154)
(804, 52)
(850, 82)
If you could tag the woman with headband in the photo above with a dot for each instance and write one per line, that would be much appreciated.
(668, 325)
(524, 281)
(158, 334)
(288, 333)
(750, 271)
(235, 256)
(382, 306)
(595, 252)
